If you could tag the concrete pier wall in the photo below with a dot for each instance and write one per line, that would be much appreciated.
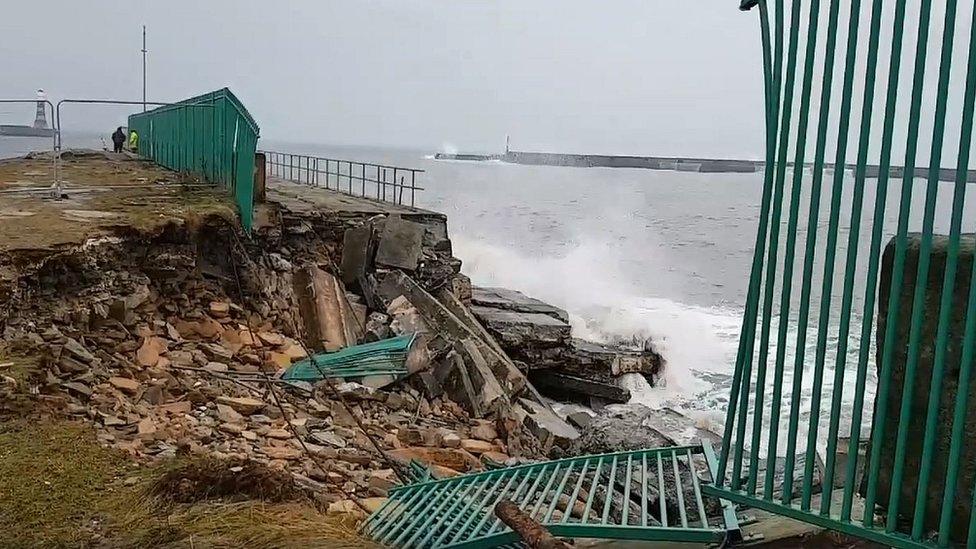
(922, 381)
(681, 164)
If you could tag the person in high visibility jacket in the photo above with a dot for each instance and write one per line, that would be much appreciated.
(134, 141)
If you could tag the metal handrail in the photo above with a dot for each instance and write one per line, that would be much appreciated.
(309, 170)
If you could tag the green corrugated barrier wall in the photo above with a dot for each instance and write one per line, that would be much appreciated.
(211, 135)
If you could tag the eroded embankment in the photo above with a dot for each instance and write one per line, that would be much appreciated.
(165, 334)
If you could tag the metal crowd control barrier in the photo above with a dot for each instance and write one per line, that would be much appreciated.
(58, 145)
(920, 450)
(54, 136)
(55, 139)
(363, 179)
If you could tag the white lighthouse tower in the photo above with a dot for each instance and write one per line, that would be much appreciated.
(40, 119)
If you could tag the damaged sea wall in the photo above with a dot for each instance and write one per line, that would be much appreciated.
(148, 337)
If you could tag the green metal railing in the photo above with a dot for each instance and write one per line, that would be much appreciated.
(824, 372)
(216, 143)
(652, 495)
(387, 357)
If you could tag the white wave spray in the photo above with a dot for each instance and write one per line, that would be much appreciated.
(604, 306)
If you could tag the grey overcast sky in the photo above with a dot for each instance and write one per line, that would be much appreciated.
(627, 76)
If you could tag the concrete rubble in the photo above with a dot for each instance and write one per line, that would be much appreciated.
(148, 338)
(170, 341)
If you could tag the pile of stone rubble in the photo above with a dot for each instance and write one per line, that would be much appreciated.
(172, 344)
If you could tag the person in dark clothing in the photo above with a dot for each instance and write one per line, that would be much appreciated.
(118, 139)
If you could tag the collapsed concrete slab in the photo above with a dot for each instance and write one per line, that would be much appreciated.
(567, 387)
(465, 376)
(517, 329)
(538, 336)
(330, 320)
(503, 298)
(503, 367)
(475, 358)
(357, 253)
(605, 363)
(401, 244)
(548, 427)
(441, 320)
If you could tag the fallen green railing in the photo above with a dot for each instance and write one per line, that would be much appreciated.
(650, 495)
(379, 358)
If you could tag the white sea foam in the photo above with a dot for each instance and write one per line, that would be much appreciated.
(603, 307)
(697, 343)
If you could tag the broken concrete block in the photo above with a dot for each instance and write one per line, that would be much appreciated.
(406, 318)
(580, 420)
(78, 351)
(148, 353)
(477, 447)
(561, 386)
(228, 414)
(442, 320)
(330, 321)
(452, 375)
(926, 332)
(484, 431)
(488, 391)
(427, 383)
(378, 382)
(511, 300)
(400, 244)
(451, 440)
(546, 425)
(357, 250)
(460, 287)
(466, 378)
(503, 367)
(515, 328)
(219, 309)
(419, 355)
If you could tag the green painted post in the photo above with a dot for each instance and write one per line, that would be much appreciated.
(784, 139)
(911, 152)
(969, 339)
(789, 261)
(742, 374)
(841, 160)
(884, 379)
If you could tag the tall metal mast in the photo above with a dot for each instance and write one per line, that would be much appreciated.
(143, 68)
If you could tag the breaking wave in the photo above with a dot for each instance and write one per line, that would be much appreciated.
(698, 343)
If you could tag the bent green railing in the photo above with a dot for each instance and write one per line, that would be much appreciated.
(820, 102)
(216, 143)
(386, 357)
(651, 495)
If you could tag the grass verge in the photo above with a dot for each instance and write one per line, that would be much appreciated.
(59, 488)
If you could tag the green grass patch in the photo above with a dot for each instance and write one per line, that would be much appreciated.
(59, 487)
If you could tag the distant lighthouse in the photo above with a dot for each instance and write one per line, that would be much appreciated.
(40, 119)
